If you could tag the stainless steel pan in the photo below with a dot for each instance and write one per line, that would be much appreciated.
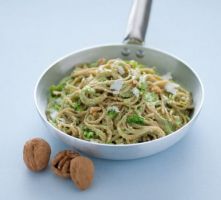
(131, 49)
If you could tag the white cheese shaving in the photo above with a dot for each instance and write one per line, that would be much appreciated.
(117, 64)
(113, 108)
(171, 87)
(143, 78)
(117, 85)
(134, 77)
(167, 76)
(120, 69)
(134, 72)
(53, 114)
(58, 101)
(100, 69)
(136, 92)
(116, 92)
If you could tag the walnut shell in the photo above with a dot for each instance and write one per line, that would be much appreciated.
(82, 172)
(60, 165)
(36, 154)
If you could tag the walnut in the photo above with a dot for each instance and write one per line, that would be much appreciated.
(134, 82)
(101, 61)
(82, 172)
(156, 89)
(61, 163)
(94, 109)
(36, 154)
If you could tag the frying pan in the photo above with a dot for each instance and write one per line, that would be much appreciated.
(132, 48)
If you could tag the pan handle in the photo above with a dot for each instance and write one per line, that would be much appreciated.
(138, 22)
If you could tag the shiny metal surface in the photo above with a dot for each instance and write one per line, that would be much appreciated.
(163, 62)
(138, 22)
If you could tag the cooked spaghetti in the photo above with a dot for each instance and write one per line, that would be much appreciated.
(118, 102)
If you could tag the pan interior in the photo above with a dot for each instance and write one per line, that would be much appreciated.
(163, 62)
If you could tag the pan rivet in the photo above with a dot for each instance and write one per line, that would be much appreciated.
(125, 52)
(140, 53)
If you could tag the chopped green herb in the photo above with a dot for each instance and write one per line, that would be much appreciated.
(112, 114)
(171, 96)
(76, 106)
(168, 127)
(178, 121)
(142, 87)
(165, 124)
(151, 97)
(134, 64)
(112, 111)
(56, 106)
(89, 89)
(64, 80)
(88, 134)
(102, 78)
(126, 94)
(94, 64)
(56, 88)
(136, 119)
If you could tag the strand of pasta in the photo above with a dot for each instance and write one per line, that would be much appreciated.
(90, 87)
